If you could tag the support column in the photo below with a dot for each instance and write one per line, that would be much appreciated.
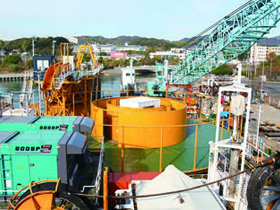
(234, 157)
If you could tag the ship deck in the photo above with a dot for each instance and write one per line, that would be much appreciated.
(148, 160)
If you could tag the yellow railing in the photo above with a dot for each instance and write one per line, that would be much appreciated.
(93, 144)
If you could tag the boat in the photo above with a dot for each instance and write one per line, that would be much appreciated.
(133, 134)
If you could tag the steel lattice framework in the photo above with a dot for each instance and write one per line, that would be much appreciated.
(232, 36)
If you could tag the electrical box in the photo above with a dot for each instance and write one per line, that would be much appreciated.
(41, 65)
(39, 155)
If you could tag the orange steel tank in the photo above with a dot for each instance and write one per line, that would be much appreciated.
(139, 127)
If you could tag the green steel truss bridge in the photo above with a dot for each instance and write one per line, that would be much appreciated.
(229, 38)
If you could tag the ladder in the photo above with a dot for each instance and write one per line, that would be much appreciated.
(6, 173)
(26, 91)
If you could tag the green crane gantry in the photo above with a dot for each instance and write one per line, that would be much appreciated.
(228, 38)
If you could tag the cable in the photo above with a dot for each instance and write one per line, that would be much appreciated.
(266, 163)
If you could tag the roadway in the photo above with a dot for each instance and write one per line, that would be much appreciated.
(272, 88)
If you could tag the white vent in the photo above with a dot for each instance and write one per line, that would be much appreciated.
(140, 102)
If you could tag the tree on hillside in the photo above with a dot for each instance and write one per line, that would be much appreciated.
(271, 57)
(223, 70)
(2, 44)
(12, 59)
(25, 45)
(244, 56)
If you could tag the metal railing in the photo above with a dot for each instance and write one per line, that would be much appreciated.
(193, 132)
(275, 102)
(97, 183)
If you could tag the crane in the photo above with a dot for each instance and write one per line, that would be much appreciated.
(228, 38)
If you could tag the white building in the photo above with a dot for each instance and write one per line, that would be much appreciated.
(168, 53)
(127, 47)
(73, 39)
(96, 48)
(260, 53)
(107, 48)
(189, 48)
(178, 50)
(136, 56)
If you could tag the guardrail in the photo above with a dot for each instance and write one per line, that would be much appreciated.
(272, 102)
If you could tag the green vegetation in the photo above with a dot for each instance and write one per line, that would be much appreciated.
(15, 63)
(223, 70)
(271, 68)
(12, 59)
(43, 45)
(152, 43)
(112, 63)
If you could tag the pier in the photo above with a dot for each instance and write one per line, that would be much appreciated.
(14, 77)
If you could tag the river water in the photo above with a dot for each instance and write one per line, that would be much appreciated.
(108, 82)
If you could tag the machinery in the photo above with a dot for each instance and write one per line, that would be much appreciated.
(263, 191)
(82, 50)
(211, 87)
(40, 66)
(37, 155)
(227, 39)
(69, 92)
(45, 123)
(43, 148)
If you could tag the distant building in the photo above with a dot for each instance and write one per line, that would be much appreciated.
(259, 53)
(24, 55)
(175, 52)
(110, 48)
(189, 48)
(136, 56)
(106, 48)
(117, 55)
(96, 48)
(3, 53)
(168, 53)
(178, 50)
(127, 47)
(15, 52)
(73, 39)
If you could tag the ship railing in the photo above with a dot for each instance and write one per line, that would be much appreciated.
(223, 171)
(161, 150)
(125, 161)
(97, 183)
(63, 75)
(91, 72)
(193, 130)
(256, 148)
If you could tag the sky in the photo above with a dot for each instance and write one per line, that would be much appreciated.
(172, 20)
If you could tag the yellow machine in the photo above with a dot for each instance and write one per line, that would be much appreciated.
(140, 127)
(68, 91)
(82, 50)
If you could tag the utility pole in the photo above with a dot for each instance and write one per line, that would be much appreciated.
(255, 69)
(53, 46)
(2, 55)
(131, 70)
(39, 93)
(33, 46)
(270, 68)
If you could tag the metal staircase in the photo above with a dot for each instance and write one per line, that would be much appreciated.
(26, 91)
(231, 37)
